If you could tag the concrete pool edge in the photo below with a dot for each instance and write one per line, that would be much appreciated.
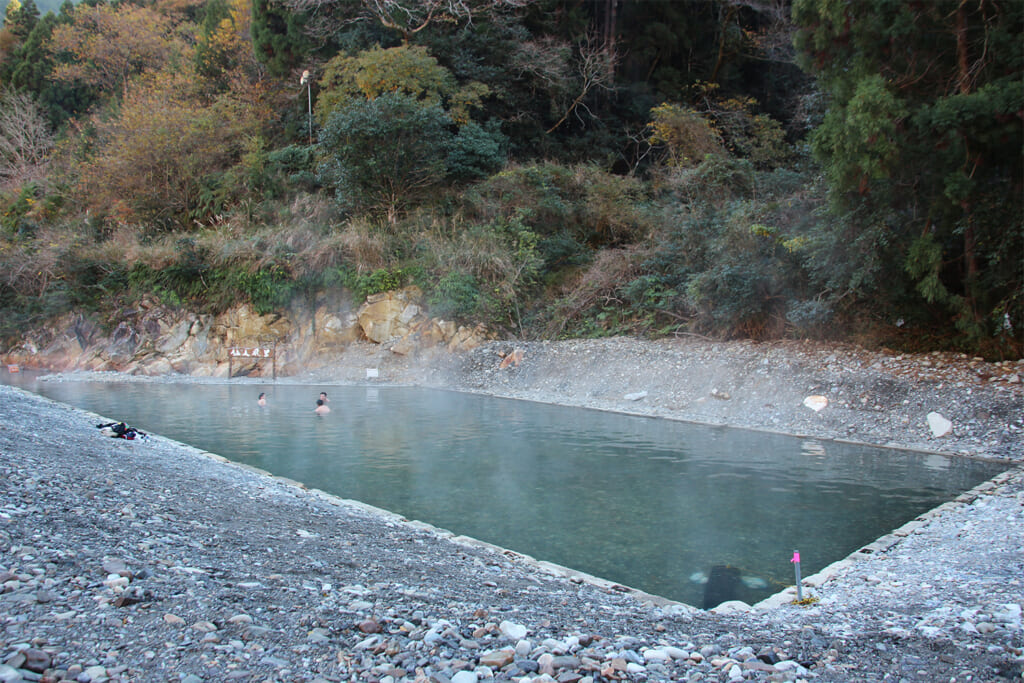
(1013, 471)
(782, 598)
(390, 517)
(760, 429)
(886, 542)
(387, 516)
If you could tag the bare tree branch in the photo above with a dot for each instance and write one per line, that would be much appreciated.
(25, 140)
(545, 60)
(408, 17)
(597, 70)
(774, 40)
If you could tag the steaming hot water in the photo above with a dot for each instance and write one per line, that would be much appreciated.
(658, 505)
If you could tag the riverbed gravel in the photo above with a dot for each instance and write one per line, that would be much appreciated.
(150, 560)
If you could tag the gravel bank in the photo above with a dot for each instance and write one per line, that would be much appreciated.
(152, 561)
(873, 397)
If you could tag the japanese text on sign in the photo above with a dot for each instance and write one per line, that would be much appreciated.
(239, 352)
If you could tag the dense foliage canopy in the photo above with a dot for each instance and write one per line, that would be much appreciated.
(922, 147)
(758, 168)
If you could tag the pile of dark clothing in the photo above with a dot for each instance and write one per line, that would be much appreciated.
(119, 430)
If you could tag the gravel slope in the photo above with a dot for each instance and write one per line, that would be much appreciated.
(152, 561)
(874, 397)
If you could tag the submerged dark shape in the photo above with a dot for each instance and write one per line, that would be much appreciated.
(723, 585)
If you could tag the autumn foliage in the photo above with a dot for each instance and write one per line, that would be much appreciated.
(733, 168)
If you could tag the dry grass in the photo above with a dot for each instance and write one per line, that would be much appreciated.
(452, 245)
(597, 284)
(367, 245)
(304, 240)
(30, 271)
(312, 210)
(124, 240)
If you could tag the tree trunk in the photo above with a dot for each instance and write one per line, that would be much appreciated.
(726, 20)
(970, 240)
(963, 68)
(610, 27)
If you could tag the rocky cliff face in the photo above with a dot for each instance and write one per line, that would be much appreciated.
(152, 339)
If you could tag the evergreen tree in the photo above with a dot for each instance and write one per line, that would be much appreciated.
(29, 68)
(921, 146)
(21, 18)
(384, 154)
(278, 37)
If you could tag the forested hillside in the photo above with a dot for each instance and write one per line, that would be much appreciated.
(43, 6)
(551, 168)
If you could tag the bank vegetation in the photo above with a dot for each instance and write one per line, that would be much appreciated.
(551, 168)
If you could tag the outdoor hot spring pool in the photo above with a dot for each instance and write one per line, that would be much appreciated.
(650, 503)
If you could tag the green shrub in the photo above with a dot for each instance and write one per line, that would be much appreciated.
(613, 209)
(545, 191)
(571, 209)
(455, 295)
(375, 282)
(561, 249)
(735, 272)
(16, 218)
(384, 155)
(725, 262)
(272, 174)
(95, 284)
(724, 177)
(736, 299)
(267, 289)
(809, 317)
(212, 195)
(186, 278)
(476, 152)
(174, 284)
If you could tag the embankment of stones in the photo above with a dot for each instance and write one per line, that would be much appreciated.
(152, 339)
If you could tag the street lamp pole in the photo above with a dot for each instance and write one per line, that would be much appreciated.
(309, 97)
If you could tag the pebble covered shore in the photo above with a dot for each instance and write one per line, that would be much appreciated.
(152, 561)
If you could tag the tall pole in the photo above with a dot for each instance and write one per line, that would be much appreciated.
(309, 98)
(796, 567)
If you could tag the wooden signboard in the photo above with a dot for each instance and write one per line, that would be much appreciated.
(256, 353)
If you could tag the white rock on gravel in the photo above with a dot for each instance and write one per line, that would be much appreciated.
(939, 425)
(513, 631)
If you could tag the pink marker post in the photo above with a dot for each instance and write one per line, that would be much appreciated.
(796, 567)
